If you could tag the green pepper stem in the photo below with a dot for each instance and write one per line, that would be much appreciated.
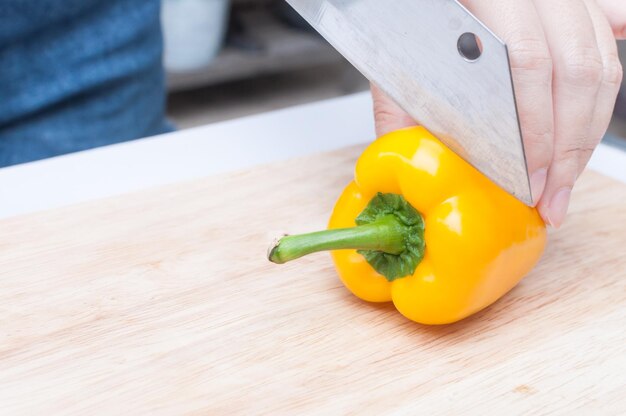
(386, 235)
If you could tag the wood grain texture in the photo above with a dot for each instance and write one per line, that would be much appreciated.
(162, 302)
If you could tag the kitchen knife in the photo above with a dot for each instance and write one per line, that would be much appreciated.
(443, 67)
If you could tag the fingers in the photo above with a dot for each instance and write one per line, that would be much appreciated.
(611, 80)
(518, 24)
(566, 75)
(576, 81)
(615, 10)
(388, 116)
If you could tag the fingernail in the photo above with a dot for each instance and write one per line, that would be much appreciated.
(538, 184)
(558, 207)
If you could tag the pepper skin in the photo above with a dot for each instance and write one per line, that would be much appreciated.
(479, 240)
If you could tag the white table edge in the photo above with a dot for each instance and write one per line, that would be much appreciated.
(202, 151)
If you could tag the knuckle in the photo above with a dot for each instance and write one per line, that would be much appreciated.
(383, 115)
(613, 71)
(584, 68)
(540, 141)
(530, 55)
(571, 154)
(585, 152)
(583, 158)
(388, 118)
(384, 111)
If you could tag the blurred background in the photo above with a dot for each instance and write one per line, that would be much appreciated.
(226, 59)
(242, 57)
(617, 131)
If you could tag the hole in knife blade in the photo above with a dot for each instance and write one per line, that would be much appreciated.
(470, 47)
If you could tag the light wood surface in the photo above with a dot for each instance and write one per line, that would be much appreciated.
(162, 302)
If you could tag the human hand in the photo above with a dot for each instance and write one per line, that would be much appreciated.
(566, 73)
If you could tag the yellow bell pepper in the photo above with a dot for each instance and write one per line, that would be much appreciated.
(422, 228)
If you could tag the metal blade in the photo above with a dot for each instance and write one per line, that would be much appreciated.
(409, 48)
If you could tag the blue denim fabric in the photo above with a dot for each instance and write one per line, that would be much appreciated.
(76, 74)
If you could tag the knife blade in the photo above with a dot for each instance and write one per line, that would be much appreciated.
(414, 51)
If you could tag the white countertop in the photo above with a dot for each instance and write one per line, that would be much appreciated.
(207, 150)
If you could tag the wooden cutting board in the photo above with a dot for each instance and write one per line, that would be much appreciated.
(162, 302)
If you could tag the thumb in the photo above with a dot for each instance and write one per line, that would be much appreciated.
(388, 116)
